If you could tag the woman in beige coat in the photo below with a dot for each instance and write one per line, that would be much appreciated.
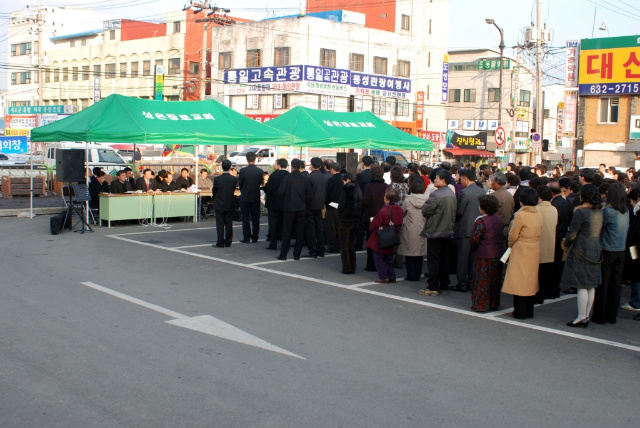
(521, 278)
(412, 245)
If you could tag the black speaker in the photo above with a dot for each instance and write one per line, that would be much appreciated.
(349, 160)
(545, 145)
(70, 165)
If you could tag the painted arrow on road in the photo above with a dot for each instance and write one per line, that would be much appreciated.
(204, 323)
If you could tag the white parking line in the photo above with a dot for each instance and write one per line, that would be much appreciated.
(358, 288)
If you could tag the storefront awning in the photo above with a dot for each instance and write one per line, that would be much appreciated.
(470, 152)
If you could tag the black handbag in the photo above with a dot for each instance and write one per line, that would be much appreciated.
(387, 236)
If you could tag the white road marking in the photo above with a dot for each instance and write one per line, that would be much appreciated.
(357, 288)
(203, 323)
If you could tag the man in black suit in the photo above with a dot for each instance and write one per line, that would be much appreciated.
(274, 201)
(314, 223)
(184, 181)
(363, 178)
(224, 204)
(146, 183)
(295, 190)
(334, 190)
(120, 184)
(565, 212)
(250, 180)
(129, 175)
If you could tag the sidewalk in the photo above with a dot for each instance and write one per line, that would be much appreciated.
(11, 207)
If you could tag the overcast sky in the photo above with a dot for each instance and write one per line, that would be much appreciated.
(568, 19)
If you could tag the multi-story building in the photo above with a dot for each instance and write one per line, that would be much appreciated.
(608, 117)
(474, 97)
(337, 60)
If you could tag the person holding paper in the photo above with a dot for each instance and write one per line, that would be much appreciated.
(521, 279)
(632, 261)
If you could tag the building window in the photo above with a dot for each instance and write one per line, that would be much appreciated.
(83, 42)
(194, 67)
(356, 62)
(525, 98)
(146, 68)
(25, 77)
(21, 49)
(463, 67)
(282, 56)
(174, 66)
(379, 65)
(428, 59)
(280, 101)
(405, 22)
(379, 106)
(75, 75)
(454, 95)
(14, 78)
(176, 26)
(85, 72)
(85, 103)
(72, 44)
(47, 76)
(253, 102)
(253, 58)
(65, 74)
(328, 58)
(429, 26)
(469, 95)
(494, 95)
(402, 107)
(427, 94)
(20, 103)
(56, 75)
(123, 69)
(224, 59)
(112, 35)
(134, 69)
(609, 109)
(404, 68)
(97, 70)
(110, 71)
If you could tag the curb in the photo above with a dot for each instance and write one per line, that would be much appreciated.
(36, 211)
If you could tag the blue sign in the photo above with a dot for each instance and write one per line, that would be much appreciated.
(9, 145)
(536, 137)
(609, 88)
(312, 73)
(57, 109)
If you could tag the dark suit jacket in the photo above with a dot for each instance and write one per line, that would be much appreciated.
(295, 190)
(132, 183)
(183, 183)
(273, 198)
(565, 212)
(117, 187)
(318, 190)
(250, 180)
(373, 199)
(468, 209)
(140, 184)
(363, 178)
(94, 189)
(223, 187)
(334, 189)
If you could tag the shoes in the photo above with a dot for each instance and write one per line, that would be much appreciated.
(245, 241)
(582, 323)
(406, 278)
(254, 239)
(370, 270)
(393, 281)
(571, 290)
(309, 256)
(460, 288)
(227, 245)
(382, 281)
(218, 245)
(629, 307)
(427, 292)
(347, 273)
(444, 291)
(271, 248)
(296, 258)
(282, 257)
(320, 254)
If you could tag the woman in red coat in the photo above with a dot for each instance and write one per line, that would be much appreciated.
(383, 257)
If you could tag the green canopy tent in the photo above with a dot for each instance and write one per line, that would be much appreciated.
(118, 118)
(328, 129)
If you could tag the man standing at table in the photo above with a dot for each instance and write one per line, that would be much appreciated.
(224, 204)
(146, 183)
(250, 180)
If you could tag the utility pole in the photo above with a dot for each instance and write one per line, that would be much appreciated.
(539, 112)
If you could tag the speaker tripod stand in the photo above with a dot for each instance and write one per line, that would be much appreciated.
(78, 205)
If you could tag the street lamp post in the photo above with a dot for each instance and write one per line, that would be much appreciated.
(489, 20)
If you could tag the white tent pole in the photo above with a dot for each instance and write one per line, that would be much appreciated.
(197, 191)
(31, 181)
(86, 160)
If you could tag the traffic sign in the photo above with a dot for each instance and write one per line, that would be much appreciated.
(536, 140)
(499, 153)
(500, 136)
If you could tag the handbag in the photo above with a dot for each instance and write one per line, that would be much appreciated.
(387, 236)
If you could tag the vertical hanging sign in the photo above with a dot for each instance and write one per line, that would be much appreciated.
(571, 64)
(96, 89)
(159, 81)
(445, 79)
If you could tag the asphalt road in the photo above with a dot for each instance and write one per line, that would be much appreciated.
(123, 326)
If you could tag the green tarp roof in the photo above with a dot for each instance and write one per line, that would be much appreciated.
(328, 129)
(133, 120)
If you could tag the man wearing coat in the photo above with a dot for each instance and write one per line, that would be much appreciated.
(250, 179)
(467, 211)
(565, 212)
(224, 204)
(334, 191)
(314, 223)
(295, 190)
(274, 201)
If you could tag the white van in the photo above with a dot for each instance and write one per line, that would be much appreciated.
(99, 155)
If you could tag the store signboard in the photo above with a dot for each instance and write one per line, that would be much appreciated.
(11, 145)
(609, 66)
(445, 79)
(571, 64)
(570, 110)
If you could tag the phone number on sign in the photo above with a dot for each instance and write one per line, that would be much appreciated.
(610, 88)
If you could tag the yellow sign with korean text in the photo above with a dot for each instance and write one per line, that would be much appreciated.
(17, 132)
(522, 112)
(615, 65)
